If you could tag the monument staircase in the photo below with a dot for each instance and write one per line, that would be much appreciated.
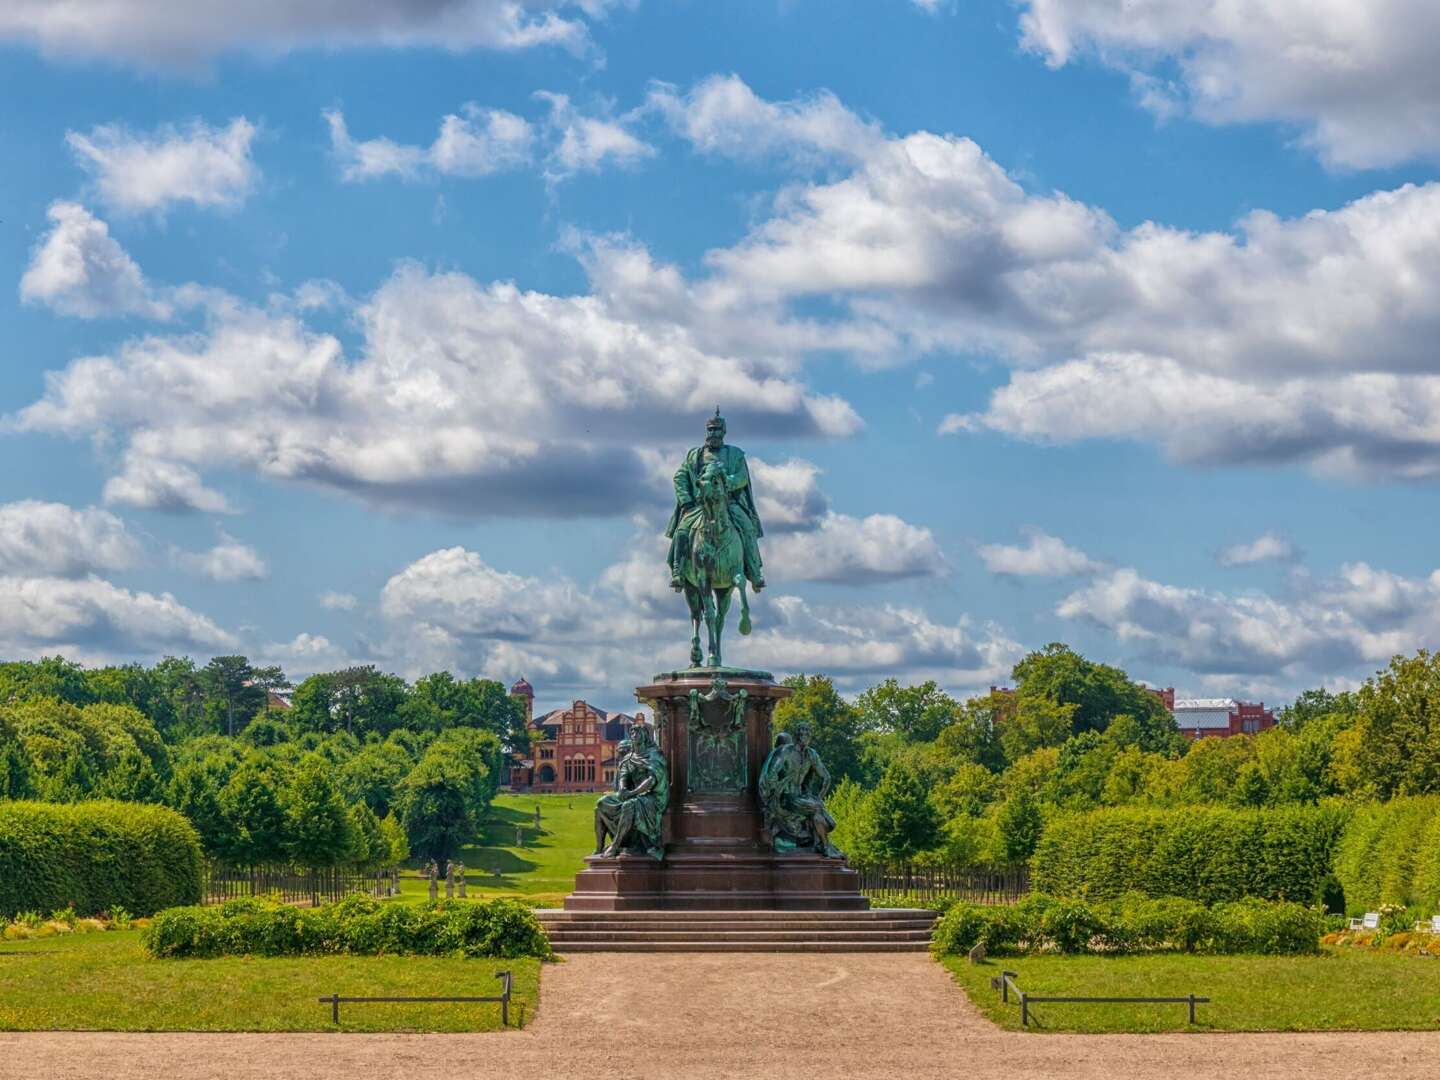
(668, 930)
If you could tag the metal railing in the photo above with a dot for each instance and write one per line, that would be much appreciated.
(978, 886)
(1005, 982)
(335, 1000)
(292, 884)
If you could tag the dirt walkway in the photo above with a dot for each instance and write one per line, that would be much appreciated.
(785, 1017)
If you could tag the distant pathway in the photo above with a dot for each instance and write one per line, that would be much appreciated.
(707, 1017)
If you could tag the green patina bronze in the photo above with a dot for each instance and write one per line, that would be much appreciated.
(793, 786)
(717, 739)
(714, 534)
(629, 817)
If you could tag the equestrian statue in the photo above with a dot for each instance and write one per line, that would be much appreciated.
(714, 532)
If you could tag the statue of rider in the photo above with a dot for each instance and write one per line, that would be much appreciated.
(742, 502)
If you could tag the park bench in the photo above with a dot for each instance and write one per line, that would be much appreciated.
(1371, 921)
(1431, 927)
(335, 1000)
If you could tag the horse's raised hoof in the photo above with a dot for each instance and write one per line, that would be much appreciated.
(756, 586)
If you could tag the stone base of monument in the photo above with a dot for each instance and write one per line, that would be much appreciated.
(717, 858)
(691, 880)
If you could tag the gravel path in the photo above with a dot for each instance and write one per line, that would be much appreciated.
(697, 1016)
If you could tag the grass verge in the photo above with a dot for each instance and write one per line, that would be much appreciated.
(1339, 990)
(540, 870)
(105, 982)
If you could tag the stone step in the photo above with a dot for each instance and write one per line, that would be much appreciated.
(569, 937)
(742, 946)
(753, 926)
(558, 915)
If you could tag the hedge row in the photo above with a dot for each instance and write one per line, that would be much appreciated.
(357, 925)
(1390, 854)
(96, 856)
(1205, 853)
(1134, 924)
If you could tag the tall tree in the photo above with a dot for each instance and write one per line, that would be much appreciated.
(1019, 823)
(915, 713)
(438, 810)
(1397, 725)
(232, 689)
(904, 820)
(178, 681)
(1098, 693)
(254, 815)
(317, 822)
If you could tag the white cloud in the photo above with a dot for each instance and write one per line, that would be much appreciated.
(92, 618)
(229, 560)
(1359, 79)
(150, 484)
(186, 34)
(79, 269)
(787, 494)
(467, 398)
(205, 166)
(305, 654)
(476, 142)
(587, 143)
(1363, 617)
(1307, 339)
(722, 115)
(451, 608)
(1042, 555)
(46, 539)
(338, 601)
(848, 550)
(1267, 547)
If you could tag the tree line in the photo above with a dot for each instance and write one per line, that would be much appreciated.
(923, 775)
(362, 769)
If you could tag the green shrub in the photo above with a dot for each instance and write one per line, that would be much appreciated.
(94, 856)
(1207, 853)
(959, 929)
(1254, 926)
(357, 925)
(1390, 854)
(1134, 924)
(1070, 925)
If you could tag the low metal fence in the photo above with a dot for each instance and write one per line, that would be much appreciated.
(925, 883)
(292, 884)
(1005, 983)
(335, 1000)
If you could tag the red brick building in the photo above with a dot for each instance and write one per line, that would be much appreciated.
(571, 749)
(1200, 718)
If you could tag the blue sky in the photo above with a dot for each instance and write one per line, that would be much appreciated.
(370, 333)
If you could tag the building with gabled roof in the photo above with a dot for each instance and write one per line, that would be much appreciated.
(572, 749)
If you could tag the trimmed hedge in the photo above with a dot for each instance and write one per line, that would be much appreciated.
(96, 856)
(1205, 853)
(1135, 924)
(1390, 854)
(357, 925)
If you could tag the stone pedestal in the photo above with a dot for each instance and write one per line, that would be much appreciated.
(717, 856)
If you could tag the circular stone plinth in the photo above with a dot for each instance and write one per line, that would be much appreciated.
(711, 672)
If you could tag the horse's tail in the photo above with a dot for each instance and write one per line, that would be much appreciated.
(744, 604)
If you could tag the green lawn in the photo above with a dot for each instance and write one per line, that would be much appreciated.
(542, 869)
(105, 982)
(1339, 990)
